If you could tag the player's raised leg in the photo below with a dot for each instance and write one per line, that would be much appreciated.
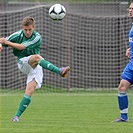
(37, 59)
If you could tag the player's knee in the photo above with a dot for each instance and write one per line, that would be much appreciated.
(122, 88)
(37, 57)
(29, 92)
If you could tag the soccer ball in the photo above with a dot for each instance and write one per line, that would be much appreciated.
(57, 12)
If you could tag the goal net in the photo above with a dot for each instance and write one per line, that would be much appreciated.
(92, 39)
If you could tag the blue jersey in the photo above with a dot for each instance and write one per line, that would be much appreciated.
(128, 71)
(131, 42)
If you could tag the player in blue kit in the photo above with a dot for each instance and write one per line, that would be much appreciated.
(26, 45)
(127, 77)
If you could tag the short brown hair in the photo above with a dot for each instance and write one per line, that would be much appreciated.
(28, 21)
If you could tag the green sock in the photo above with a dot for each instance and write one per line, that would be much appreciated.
(49, 66)
(23, 105)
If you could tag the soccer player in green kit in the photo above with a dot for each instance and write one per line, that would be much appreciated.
(26, 45)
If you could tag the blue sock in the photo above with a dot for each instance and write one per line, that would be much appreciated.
(123, 104)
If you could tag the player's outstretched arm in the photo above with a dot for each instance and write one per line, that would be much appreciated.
(11, 44)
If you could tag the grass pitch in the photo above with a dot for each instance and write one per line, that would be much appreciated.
(64, 113)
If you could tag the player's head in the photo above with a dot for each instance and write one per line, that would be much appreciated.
(28, 25)
(131, 10)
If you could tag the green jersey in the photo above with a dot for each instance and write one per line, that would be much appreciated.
(32, 44)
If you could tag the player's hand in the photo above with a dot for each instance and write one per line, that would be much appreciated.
(3, 40)
(1, 47)
(128, 52)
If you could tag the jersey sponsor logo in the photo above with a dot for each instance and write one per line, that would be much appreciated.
(130, 39)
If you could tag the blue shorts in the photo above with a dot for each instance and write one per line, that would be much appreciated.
(128, 72)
